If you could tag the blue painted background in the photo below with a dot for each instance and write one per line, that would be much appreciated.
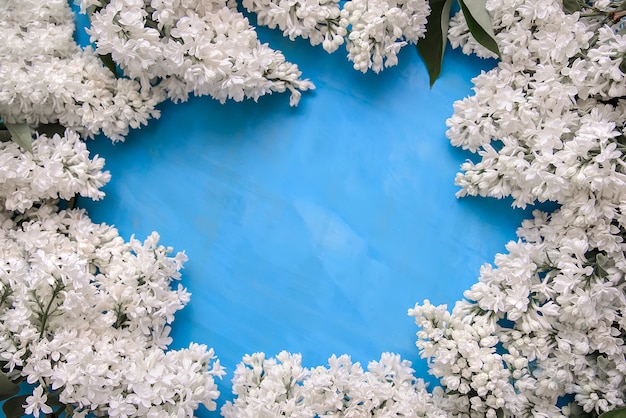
(312, 229)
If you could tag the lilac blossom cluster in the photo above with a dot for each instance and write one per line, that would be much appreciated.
(281, 386)
(542, 332)
(178, 47)
(374, 31)
(85, 316)
(46, 77)
(58, 167)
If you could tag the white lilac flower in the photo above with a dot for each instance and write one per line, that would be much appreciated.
(526, 30)
(554, 306)
(555, 134)
(59, 167)
(374, 30)
(36, 403)
(55, 81)
(204, 48)
(549, 149)
(320, 22)
(282, 387)
(378, 29)
(87, 315)
(462, 353)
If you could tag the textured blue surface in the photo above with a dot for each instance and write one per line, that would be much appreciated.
(311, 229)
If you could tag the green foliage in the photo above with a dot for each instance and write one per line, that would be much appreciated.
(616, 413)
(51, 129)
(572, 6)
(108, 62)
(7, 387)
(20, 133)
(12, 408)
(479, 23)
(433, 45)
(5, 135)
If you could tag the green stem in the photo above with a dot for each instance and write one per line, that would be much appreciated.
(593, 14)
(5, 294)
(45, 314)
(73, 202)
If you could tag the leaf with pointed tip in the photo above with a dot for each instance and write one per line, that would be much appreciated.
(20, 133)
(7, 387)
(616, 413)
(432, 47)
(12, 408)
(479, 23)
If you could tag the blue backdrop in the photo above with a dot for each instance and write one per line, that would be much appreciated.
(312, 229)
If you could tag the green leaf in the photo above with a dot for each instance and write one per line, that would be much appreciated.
(5, 136)
(13, 407)
(53, 398)
(479, 23)
(20, 133)
(616, 413)
(108, 62)
(91, 10)
(572, 6)
(7, 387)
(432, 47)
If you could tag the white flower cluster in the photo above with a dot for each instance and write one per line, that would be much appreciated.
(320, 22)
(85, 316)
(45, 77)
(268, 388)
(176, 47)
(463, 349)
(373, 30)
(59, 167)
(546, 325)
(553, 106)
(525, 31)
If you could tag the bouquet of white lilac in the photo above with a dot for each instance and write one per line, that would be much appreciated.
(542, 333)
(84, 316)
(374, 31)
(178, 47)
(282, 387)
(46, 78)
